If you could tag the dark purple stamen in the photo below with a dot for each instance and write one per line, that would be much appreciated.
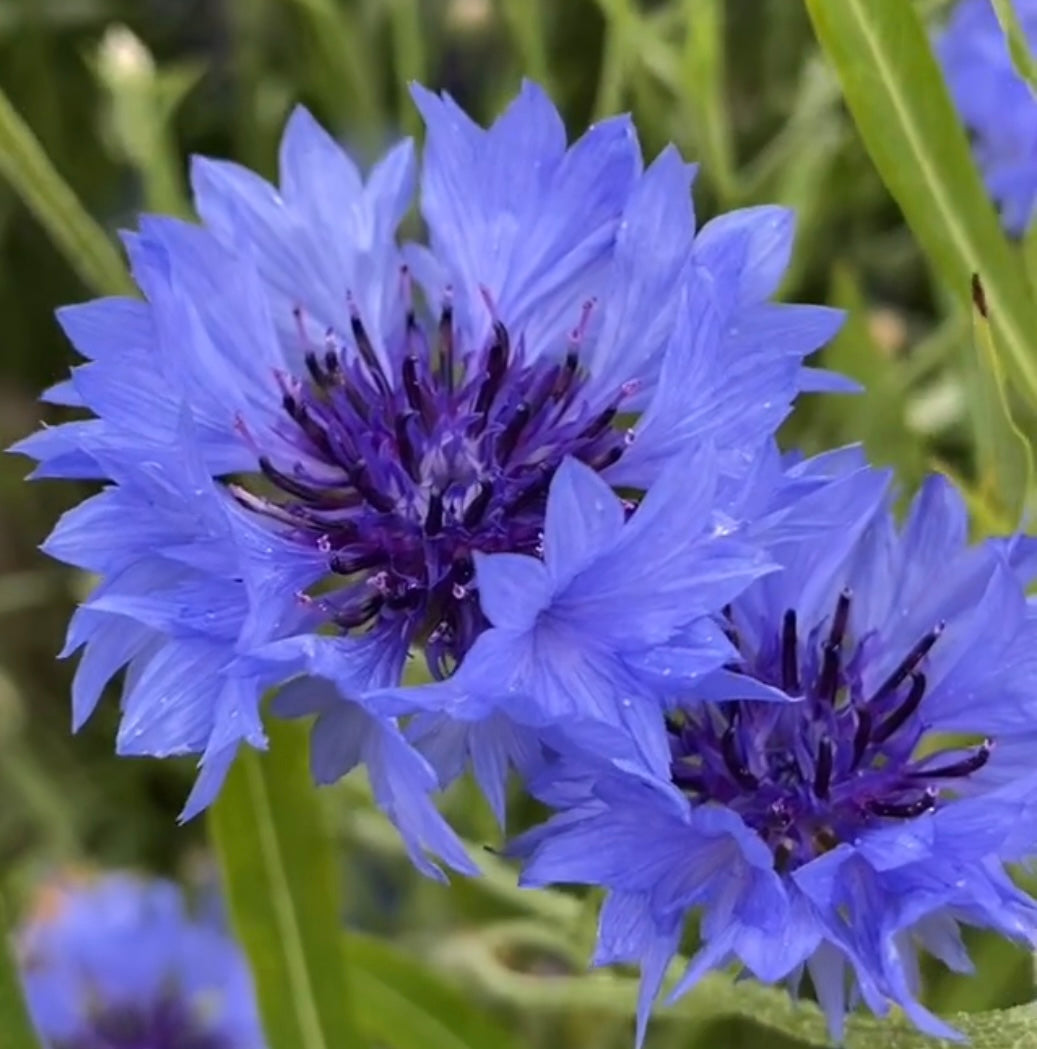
(477, 507)
(400, 458)
(434, 515)
(965, 767)
(735, 765)
(823, 768)
(907, 664)
(814, 772)
(896, 720)
(446, 347)
(905, 809)
(508, 440)
(789, 653)
(367, 351)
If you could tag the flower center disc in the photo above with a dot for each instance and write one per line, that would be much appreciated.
(399, 472)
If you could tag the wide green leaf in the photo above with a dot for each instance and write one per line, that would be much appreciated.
(405, 1004)
(25, 165)
(17, 1029)
(280, 880)
(895, 91)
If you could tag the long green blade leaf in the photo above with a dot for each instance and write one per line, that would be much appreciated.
(14, 1017)
(405, 1004)
(76, 235)
(279, 877)
(898, 99)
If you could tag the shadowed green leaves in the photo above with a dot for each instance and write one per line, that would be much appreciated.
(280, 879)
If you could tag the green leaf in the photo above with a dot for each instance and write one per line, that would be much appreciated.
(1018, 48)
(75, 234)
(345, 67)
(1003, 453)
(280, 880)
(525, 20)
(898, 99)
(703, 77)
(410, 58)
(877, 416)
(14, 1017)
(402, 1002)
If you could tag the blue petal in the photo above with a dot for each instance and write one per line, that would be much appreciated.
(583, 518)
(513, 589)
(761, 236)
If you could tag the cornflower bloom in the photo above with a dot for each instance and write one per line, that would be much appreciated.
(311, 433)
(858, 820)
(118, 963)
(995, 103)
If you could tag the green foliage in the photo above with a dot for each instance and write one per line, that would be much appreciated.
(897, 96)
(279, 878)
(1004, 456)
(402, 1002)
(24, 164)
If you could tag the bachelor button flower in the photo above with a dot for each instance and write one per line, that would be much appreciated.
(597, 635)
(357, 421)
(863, 821)
(995, 103)
(118, 963)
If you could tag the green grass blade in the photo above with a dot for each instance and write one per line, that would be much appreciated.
(1018, 48)
(703, 74)
(280, 880)
(897, 96)
(346, 68)
(25, 165)
(1004, 455)
(525, 20)
(410, 58)
(404, 1004)
(14, 1017)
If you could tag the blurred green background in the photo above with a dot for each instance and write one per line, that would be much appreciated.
(120, 93)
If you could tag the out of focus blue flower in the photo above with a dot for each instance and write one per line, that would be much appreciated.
(996, 104)
(861, 821)
(118, 963)
(312, 433)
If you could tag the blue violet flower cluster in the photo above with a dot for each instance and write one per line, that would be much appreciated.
(533, 458)
(117, 962)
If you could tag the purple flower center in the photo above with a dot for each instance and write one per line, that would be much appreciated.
(401, 473)
(809, 774)
(168, 1024)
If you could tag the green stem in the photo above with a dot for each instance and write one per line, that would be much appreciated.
(76, 235)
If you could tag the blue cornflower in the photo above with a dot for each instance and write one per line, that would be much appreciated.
(860, 821)
(995, 103)
(118, 963)
(590, 641)
(339, 426)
